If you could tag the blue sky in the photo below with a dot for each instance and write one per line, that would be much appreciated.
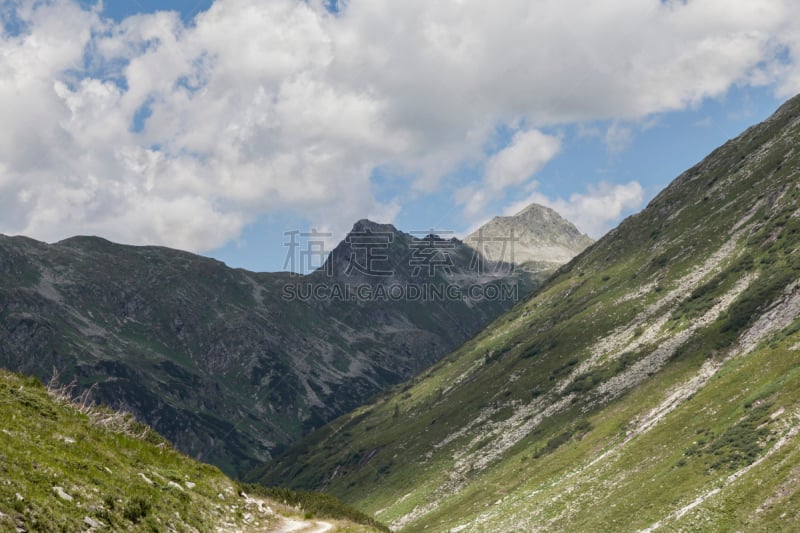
(121, 9)
(218, 126)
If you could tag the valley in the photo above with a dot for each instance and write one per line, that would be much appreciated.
(650, 383)
(346, 266)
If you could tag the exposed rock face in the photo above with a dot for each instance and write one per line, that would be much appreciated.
(232, 365)
(535, 235)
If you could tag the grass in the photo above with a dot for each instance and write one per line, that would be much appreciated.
(65, 463)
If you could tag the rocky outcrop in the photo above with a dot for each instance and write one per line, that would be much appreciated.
(536, 235)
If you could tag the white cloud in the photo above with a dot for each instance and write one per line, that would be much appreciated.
(524, 156)
(527, 152)
(259, 105)
(594, 212)
(618, 137)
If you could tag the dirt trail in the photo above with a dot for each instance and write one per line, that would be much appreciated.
(260, 509)
(290, 525)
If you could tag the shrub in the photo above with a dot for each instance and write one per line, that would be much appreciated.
(137, 508)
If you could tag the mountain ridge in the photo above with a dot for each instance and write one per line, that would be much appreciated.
(650, 383)
(228, 364)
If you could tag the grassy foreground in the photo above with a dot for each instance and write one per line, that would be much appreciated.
(69, 466)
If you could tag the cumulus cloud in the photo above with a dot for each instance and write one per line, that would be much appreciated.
(595, 211)
(618, 137)
(152, 131)
(526, 153)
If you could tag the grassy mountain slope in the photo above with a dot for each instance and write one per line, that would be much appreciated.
(216, 359)
(72, 467)
(652, 383)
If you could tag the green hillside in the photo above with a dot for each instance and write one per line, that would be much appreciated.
(652, 383)
(68, 466)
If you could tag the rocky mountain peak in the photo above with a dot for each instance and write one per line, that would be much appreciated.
(368, 246)
(366, 225)
(535, 234)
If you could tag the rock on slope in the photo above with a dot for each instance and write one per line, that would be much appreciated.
(217, 359)
(653, 383)
(72, 467)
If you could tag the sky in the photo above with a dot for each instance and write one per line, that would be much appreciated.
(216, 126)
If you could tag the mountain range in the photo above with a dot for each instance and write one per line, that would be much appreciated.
(230, 365)
(652, 383)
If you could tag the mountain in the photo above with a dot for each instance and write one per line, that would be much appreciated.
(232, 365)
(68, 466)
(537, 235)
(653, 383)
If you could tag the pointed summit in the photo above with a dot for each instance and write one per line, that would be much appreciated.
(369, 251)
(539, 235)
(364, 225)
